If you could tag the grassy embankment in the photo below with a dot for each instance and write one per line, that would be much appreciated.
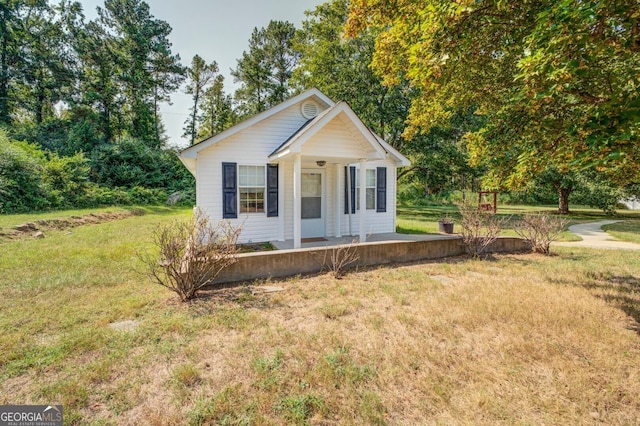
(519, 339)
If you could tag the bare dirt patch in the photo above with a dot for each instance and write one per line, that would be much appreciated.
(36, 228)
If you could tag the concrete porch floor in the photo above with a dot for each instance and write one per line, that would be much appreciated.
(375, 238)
(380, 249)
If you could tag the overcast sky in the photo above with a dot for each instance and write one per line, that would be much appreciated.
(217, 30)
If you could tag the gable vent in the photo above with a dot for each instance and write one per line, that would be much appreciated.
(310, 110)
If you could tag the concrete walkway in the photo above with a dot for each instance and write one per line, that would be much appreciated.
(375, 238)
(593, 236)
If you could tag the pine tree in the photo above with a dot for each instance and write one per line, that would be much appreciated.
(200, 75)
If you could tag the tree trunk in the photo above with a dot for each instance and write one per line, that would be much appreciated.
(4, 70)
(195, 114)
(563, 200)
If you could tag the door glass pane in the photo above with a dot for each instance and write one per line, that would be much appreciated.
(311, 196)
(311, 184)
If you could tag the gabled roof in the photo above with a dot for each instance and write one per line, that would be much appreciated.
(380, 149)
(191, 151)
(294, 143)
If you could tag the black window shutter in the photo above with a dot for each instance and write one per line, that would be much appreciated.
(381, 189)
(352, 169)
(272, 190)
(229, 191)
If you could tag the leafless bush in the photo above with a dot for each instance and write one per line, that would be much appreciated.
(540, 230)
(338, 258)
(192, 253)
(479, 228)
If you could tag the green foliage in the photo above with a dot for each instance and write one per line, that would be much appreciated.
(217, 112)
(129, 163)
(339, 67)
(200, 76)
(96, 195)
(264, 71)
(595, 191)
(66, 179)
(145, 68)
(556, 80)
(21, 186)
(31, 179)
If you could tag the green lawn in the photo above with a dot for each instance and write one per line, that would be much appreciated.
(627, 230)
(517, 339)
(424, 219)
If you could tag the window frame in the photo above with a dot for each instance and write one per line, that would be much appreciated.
(369, 188)
(244, 204)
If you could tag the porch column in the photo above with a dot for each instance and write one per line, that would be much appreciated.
(363, 200)
(281, 195)
(297, 201)
(338, 192)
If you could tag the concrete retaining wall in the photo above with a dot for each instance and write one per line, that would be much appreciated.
(282, 263)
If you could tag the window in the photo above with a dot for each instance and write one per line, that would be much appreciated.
(251, 187)
(370, 188)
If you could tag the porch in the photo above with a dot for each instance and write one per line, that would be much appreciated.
(374, 238)
(323, 196)
(391, 248)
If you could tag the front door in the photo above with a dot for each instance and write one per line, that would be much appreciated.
(312, 203)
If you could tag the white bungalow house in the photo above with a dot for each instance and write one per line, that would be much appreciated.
(306, 168)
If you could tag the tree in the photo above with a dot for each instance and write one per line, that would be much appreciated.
(340, 67)
(167, 75)
(9, 23)
(440, 159)
(281, 57)
(16, 19)
(146, 64)
(46, 75)
(99, 89)
(200, 75)
(264, 71)
(217, 113)
(556, 80)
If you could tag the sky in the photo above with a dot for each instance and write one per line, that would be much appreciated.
(217, 30)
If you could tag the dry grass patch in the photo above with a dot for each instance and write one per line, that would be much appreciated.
(519, 339)
(494, 344)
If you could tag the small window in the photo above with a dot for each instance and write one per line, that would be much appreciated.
(370, 188)
(251, 186)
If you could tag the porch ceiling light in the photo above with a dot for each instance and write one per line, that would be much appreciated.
(321, 163)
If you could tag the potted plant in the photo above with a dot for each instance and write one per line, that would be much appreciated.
(445, 225)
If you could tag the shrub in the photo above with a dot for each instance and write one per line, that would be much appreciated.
(479, 228)
(540, 230)
(66, 179)
(338, 258)
(127, 163)
(21, 186)
(192, 254)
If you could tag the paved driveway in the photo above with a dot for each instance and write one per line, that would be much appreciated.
(593, 236)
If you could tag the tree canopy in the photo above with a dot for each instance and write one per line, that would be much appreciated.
(265, 69)
(557, 81)
(529, 94)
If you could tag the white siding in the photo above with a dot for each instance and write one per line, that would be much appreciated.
(336, 139)
(249, 147)
(376, 223)
(253, 145)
